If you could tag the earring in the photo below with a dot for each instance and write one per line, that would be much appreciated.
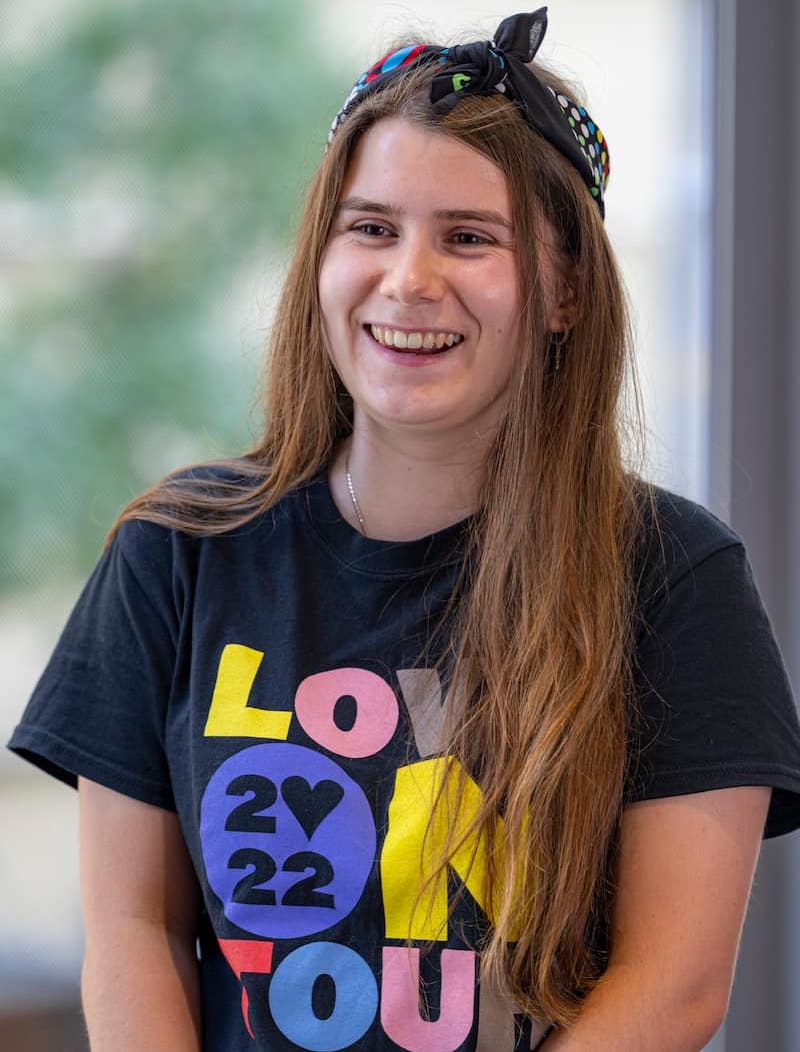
(558, 341)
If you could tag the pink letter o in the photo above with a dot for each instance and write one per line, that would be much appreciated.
(376, 710)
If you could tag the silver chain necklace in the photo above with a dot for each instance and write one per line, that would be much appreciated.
(353, 496)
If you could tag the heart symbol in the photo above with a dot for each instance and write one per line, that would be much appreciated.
(310, 806)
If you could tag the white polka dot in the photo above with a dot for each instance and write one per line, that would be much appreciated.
(563, 100)
(592, 150)
(585, 130)
(575, 114)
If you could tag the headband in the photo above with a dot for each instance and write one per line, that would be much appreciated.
(500, 65)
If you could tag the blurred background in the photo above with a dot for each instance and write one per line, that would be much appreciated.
(153, 159)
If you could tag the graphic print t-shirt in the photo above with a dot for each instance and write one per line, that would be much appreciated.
(267, 685)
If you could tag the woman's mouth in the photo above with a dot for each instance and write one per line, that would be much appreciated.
(422, 341)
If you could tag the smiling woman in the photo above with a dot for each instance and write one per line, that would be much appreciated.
(428, 720)
(403, 268)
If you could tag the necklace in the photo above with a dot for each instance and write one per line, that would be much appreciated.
(353, 496)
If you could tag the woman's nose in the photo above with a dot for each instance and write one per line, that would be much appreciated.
(413, 272)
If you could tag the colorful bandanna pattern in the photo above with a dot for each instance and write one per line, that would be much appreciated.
(500, 65)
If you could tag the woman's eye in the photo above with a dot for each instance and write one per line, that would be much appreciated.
(371, 229)
(468, 237)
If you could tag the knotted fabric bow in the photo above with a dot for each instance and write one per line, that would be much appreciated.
(500, 65)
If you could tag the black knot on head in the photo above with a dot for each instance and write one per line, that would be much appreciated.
(487, 67)
(476, 67)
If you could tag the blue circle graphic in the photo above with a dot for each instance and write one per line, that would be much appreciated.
(288, 840)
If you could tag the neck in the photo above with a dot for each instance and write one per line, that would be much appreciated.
(406, 487)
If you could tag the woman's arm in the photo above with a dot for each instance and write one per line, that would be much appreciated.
(141, 904)
(685, 869)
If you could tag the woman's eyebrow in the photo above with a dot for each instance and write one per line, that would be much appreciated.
(475, 215)
(361, 204)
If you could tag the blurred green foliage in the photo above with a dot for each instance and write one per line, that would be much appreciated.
(159, 151)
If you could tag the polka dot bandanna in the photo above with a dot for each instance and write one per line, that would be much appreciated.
(499, 65)
(591, 141)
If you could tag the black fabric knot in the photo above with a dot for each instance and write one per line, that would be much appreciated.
(475, 67)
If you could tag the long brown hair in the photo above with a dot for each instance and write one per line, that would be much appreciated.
(542, 645)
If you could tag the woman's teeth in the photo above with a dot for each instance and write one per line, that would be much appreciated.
(414, 341)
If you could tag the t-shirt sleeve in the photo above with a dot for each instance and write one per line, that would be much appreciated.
(715, 705)
(99, 708)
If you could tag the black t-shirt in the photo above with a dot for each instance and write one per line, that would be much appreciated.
(266, 684)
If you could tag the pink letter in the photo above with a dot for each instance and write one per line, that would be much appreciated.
(400, 1014)
(376, 710)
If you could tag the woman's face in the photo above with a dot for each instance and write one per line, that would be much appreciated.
(418, 284)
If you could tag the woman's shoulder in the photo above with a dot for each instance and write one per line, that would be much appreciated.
(677, 535)
(192, 506)
(229, 477)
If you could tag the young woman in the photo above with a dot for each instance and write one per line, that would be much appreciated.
(427, 724)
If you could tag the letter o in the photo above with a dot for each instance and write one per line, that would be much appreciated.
(376, 711)
(291, 989)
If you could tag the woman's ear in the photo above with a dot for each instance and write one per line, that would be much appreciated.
(559, 279)
(562, 315)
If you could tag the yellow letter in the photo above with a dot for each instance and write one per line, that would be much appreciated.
(229, 715)
(409, 856)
